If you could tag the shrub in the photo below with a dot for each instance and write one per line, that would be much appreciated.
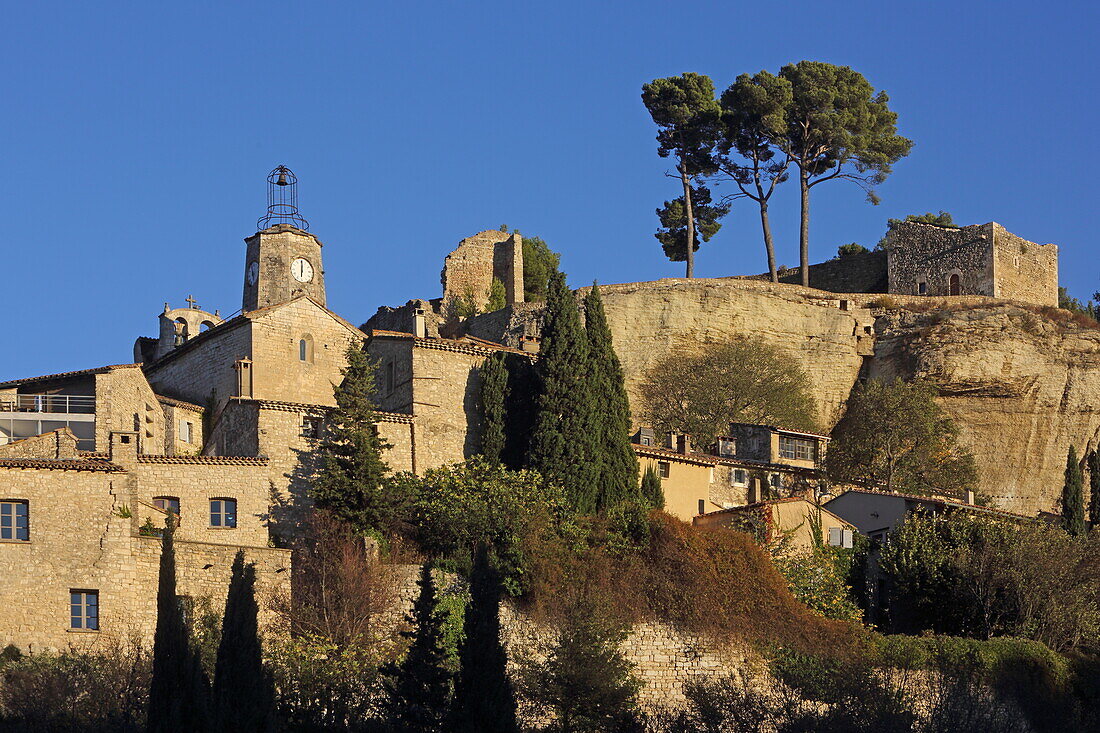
(882, 301)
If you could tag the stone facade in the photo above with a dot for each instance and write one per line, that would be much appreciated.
(983, 259)
(469, 270)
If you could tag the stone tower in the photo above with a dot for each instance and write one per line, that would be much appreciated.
(281, 263)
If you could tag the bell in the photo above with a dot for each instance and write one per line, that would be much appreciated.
(282, 179)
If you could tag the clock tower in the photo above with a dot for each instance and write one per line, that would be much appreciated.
(283, 260)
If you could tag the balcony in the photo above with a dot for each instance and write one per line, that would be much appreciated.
(28, 415)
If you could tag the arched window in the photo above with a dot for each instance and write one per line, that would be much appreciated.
(181, 331)
(955, 287)
(205, 326)
(305, 348)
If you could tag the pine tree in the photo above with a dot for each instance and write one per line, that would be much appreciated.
(1094, 489)
(653, 494)
(484, 699)
(563, 444)
(420, 687)
(243, 692)
(350, 480)
(494, 397)
(179, 693)
(1073, 498)
(618, 466)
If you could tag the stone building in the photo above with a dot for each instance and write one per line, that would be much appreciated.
(983, 259)
(469, 271)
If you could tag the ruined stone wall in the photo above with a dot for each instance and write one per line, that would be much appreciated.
(57, 444)
(279, 373)
(932, 254)
(125, 401)
(401, 318)
(469, 270)
(1024, 270)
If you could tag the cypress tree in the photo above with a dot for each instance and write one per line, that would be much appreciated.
(243, 693)
(179, 693)
(349, 483)
(494, 396)
(1094, 489)
(617, 464)
(562, 443)
(1073, 498)
(484, 699)
(420, 687)
(653, 494)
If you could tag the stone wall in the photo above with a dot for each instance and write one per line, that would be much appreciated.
(1024, 270)
(125, 401)
(445, 402)
(932, 254)
(201, 371)
(176, 413)
(55, 445)
(274, 250)
(468, 271)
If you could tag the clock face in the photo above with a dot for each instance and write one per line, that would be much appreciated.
(253, 273)
(301, 270)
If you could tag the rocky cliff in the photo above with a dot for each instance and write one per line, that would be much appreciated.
(1022, 382)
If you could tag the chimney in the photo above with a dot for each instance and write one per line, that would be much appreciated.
(124, 448)
(970, 496)
(531, 344)
(244, 377)
(420, 327)
(683, 444)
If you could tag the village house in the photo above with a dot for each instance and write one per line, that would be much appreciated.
(798, 523)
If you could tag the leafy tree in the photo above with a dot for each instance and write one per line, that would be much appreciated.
(179, 693)
(1094, 489)
(484, 701)
(617, 464)
(494, 395)
(1073, 496)
(653, 493)
(563, 447)
(701, 389)
(350, 484)
(846, 250)
(837, 127)
(688, 121)
(896, 436)
(584, 682)
(539, 263)
(420, 687)
(674, 222)
(243, 694)
(754, 118)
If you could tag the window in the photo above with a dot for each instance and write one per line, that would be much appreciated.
(840, 537)
(305, 348)
(776, 481)
(738, 477)
(727, 447)
(663, 468)
(796, 449)
(922, 288)
(167, 504)
(84, 610)
(702, 504)
(390, 376)
(646, 440)
(186, 429)
(223, 513)
(14, 521)
(312, 426)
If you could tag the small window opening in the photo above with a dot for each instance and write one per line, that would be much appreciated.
(663, 468)
(922, 288)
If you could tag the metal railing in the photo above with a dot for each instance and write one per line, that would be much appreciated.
(50, 403)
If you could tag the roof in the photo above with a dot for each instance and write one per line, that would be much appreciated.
(207, 460)
(944, 501)
(712, 460)
(84, 463)
(398, 417)
(703, 459)
(179, 403)
(66, 375)
(464, 344)
(766, 503)
(781, 430)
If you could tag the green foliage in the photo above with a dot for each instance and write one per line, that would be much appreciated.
(700, 389)
(458, 508)
(673, 215)
(493, 394)
(484, 701)
(819, 578)
(653, 494)
(688, 121)
(969, 575)
(1094, 489)
(896, 436)
(497, 296)
(617, 466)
(539, 263)
(124, 512)
(846, 250)
(1089, 310)
(1073, 496)
(563, 443)
(243, 696)
(464, 306)
(350, 482)
(584, 682)
(419, 688)
(942, 219)
(179, 693)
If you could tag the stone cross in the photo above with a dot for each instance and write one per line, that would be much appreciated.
(190, 302)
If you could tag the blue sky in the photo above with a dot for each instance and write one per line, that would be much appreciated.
(136, 138)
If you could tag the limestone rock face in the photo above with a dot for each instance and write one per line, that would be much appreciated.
(1021, 387)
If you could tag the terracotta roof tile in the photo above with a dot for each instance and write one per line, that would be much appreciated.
(78, 464)
(65, 375)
